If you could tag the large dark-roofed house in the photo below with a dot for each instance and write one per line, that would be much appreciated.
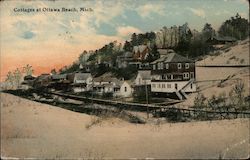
(173, 73)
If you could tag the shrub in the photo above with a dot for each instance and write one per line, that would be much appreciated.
(107, 95)
(199, 101)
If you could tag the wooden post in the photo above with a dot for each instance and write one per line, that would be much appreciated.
(146, 88)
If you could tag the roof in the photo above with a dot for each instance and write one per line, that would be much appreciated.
(29, 77)
(221, 38)
(43, 77)
(59, 76)
(172, 57)
(145, 74)
(82, 76)
(107, 77)
(139, 48)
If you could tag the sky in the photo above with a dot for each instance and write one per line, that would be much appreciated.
(48, 40)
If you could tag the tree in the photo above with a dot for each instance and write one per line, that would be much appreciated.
(153, 54)
(27, 70)
(10, 78)
(17, 76)
(134, 40)
(236, 27)
(127, 46)
(53, 71)
(161, 37)
(207, 31)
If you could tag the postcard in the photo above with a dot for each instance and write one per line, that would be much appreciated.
(148, 79)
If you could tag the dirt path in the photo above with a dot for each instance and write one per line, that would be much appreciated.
(31, 129)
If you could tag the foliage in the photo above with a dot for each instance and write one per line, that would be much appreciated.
(128, 46)
(153, 54)
(126, 73)
(27, 70)
(53, 71)
(107, 95)
(236, 27)
(199, 101)
(142, 38)
(69, 69)
(207, 31)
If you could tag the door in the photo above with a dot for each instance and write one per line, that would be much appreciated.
(176, 86)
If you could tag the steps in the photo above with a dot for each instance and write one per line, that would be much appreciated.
(181, 93)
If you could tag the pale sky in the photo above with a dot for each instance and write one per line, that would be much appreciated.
(48, 40)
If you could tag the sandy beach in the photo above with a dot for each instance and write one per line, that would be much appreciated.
(34, 130)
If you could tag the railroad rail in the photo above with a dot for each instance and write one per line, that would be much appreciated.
(159, 108)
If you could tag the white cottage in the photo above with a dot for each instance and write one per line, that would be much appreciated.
(126, 89)
(143, 77)
(82, 82)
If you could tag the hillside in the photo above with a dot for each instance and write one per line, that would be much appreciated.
(209, 78)
(237, 54)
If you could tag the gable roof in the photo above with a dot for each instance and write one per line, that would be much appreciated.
(59, 76)
(172, 57)
(223, 38)
(82, 76)
(107, 77)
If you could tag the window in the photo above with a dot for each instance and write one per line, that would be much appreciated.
(154, 67)
(153, 85)
(171, 76)
(185, 75)
(168, 85)
(160, 65)
(163, 76)
(163, 86)
(159, 85)
(125, 89)
(186, 65)
(176, 86)
(192, 75)
(167, 66)
(191, 85)
(179, 65)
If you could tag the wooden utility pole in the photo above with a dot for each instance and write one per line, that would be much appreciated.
(92, 96)
(146, 88)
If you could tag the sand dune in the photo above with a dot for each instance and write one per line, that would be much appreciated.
(208, 78)
(34, 130)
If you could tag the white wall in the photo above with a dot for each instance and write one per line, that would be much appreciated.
(140, 81)
(128, 92)
(180, 84)
(79, 89)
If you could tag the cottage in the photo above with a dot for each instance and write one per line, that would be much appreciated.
(43, 80)
(81, 82)
(107, 83)
(143, 77)
(126, 89)
(28, 81)
(140, 52)
(215, 40)
(58, 77)
(173, 74)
